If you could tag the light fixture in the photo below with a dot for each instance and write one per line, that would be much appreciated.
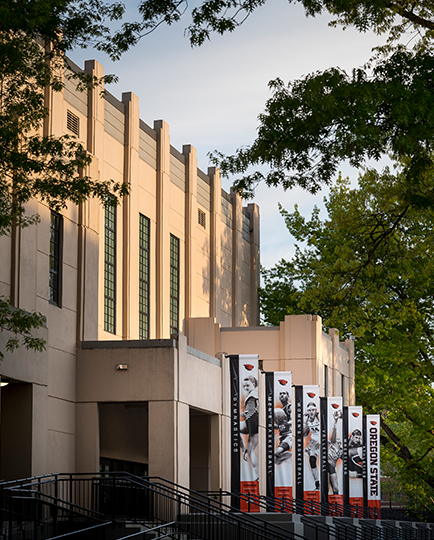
(4, 383)
(122, 367)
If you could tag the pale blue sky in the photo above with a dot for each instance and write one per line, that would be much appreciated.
(210, 96)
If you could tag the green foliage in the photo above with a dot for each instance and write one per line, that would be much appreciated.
(368, 270)
(279, 296)
(395, 17)
(310, 126)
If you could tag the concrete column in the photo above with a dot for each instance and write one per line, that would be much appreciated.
(48, 103)
(190, 231)
(53, 101)
(161, 437)
(130, 217)
(350, 381)
(215, 241)
(215, 451)
(87, 449)
(88, 245)
(182, 454)
(237, 259)
(163, 238)
(225, 434)
(334, 335)
(95, 107)
(39, 429)
(255, 264)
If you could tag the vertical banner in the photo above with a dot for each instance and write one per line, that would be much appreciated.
(373, 462)
(355, 455)
(245, 427)
(332, 477)
(279, 434)
(308, 438)
(269, 435)
(298, 442)
(346, 471)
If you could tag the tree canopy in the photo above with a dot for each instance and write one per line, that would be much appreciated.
(368, 270)
(218, 17)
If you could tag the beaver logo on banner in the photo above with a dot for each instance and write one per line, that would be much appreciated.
(307, 443)
(356, 469)
(244, 429)
(332, 473)
(372, 435)
(279, 434)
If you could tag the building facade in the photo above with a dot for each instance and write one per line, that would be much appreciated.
(142, 303)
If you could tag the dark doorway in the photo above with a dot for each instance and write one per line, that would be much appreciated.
(16, 431)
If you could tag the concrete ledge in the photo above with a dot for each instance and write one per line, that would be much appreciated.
(131, 344)
(251, 329)
(203, 356)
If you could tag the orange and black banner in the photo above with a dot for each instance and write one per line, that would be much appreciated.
(332, 465)
(279, 436)
(373, 487)
(308, 445)
(298, 442)
(235, 430)
(345, 458)
(244, 431)
(269, 434)
(356, 457)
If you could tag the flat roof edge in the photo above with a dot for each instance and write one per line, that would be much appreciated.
(130, 344)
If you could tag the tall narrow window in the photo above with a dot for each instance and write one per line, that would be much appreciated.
(174, 284)
(55, 277)
(144, 228)
(343, 387)
(110, 269)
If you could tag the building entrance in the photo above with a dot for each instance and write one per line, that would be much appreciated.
(124, 437)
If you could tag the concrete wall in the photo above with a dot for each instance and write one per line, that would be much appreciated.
(167, 187)
(163, 378)
(298, 345)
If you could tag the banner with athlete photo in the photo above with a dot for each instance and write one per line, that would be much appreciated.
(356, 468)
(279, 434)
(332, 435)
(307, 443)
(372, 437)
(244, 429)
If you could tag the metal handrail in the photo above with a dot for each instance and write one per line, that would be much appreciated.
(81, 530)
(208, 506)
(226, 513)
(152, 529)
(290, 505)
(259, 528)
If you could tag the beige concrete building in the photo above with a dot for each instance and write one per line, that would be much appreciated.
(142, 303)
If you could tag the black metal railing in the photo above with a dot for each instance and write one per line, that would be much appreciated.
(60, 504)
(86, 506)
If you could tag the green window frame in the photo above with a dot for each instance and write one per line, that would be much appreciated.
(174, 284)
(56, 252)
(144, 275)
(110, 269)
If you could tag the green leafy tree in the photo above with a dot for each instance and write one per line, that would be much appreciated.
(368, 269)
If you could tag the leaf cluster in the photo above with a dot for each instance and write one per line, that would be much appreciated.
(394, 17)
